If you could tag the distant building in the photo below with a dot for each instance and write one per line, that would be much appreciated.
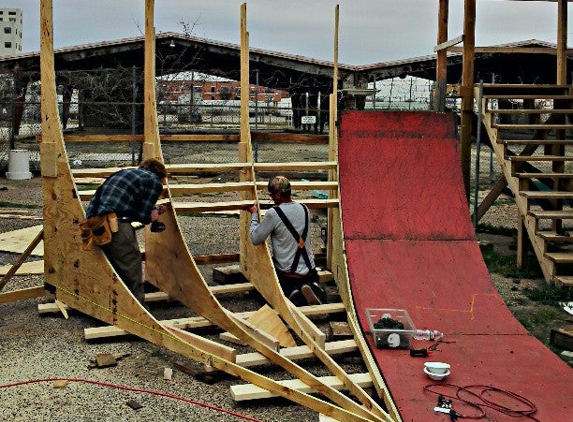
(10, 32)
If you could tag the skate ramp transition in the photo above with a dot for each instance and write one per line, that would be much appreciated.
(410, 245)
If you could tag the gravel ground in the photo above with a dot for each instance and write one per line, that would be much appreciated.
(34, 347)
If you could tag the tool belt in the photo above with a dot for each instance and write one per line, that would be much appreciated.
(97, 230)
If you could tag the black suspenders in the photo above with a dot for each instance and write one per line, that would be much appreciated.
(299, 238)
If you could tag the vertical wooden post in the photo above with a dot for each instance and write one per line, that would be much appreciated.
(467, 89)
(333, 145)
(442, 58)
(151, 148)
(562, 42)
(245, 151)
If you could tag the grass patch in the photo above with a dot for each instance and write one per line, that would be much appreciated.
(539, 317)
(505, 265)
(13, 205)
(549, 294)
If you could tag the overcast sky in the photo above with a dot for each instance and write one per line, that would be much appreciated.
(370, 30)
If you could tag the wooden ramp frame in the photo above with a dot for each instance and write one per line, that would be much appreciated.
(85, 280)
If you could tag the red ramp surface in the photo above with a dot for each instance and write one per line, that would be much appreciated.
(410, 245)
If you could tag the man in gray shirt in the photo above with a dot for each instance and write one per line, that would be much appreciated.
(288, 224)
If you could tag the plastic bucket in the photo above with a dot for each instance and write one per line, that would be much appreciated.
(19, 165)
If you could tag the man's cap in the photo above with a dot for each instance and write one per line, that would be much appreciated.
(280, 184)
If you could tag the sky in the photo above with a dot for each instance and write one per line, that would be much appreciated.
(370, 31)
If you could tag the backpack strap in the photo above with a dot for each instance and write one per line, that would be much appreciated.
(301, 251)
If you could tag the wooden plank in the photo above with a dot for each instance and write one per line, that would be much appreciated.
(333, 348)
(27, 268)
(201, 207)
(306, 165)
(522, 158)
(542, 194)
(198, 322)
(552, 236)
(211, 347)
(28, 293)
(564, 280)
(542, 126)
(288, 137)
(251, 392)
(512, 50)
(45, 308)
(204, 168)
(267, 320)
(560, 257)
(528, 97)
(450, 43)
(102, 138)
(190, 188)
(96, 172)
(562, 337)
(39, 237)
(535, 141)
(552, 215)
(18, 240)
(529, 110)
(544, 175)
(48, 163)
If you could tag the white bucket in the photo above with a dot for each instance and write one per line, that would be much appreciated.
(19, 165)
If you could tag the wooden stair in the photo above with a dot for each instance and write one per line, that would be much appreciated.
(533, 143)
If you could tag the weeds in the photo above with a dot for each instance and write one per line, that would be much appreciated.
(549, 294)
(13, 205)
(505, 265)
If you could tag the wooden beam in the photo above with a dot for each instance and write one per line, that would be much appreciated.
(21, 259)
(561, 77)
(450, 43)
(442, 59)
(511, 50)
(251, 392)
(28, 293)
(298, 353)
(190, 323)
(467, 90)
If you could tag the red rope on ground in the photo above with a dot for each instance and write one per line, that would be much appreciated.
(137, 390)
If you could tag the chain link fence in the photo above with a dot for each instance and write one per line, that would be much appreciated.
(110, 102)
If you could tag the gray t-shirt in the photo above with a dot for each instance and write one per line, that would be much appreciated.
(282, 241)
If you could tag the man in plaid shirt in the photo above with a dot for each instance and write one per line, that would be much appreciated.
(132, 195)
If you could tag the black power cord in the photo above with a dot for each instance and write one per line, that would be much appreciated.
(475, 396)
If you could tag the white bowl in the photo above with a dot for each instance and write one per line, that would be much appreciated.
(436, 377)
(437, 367)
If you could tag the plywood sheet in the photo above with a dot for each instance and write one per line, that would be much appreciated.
(18, 240)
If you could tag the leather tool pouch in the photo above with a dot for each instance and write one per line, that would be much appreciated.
(96, 231)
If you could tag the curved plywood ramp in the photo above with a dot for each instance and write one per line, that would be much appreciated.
(86, 281)
(410, 245)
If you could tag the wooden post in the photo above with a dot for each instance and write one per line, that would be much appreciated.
(467, 89)
(151, 147)
(333, 145)
(245, 148)
(442, 58)
(562, 42)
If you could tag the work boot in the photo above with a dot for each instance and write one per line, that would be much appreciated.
(297, 298)
(310, 296)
